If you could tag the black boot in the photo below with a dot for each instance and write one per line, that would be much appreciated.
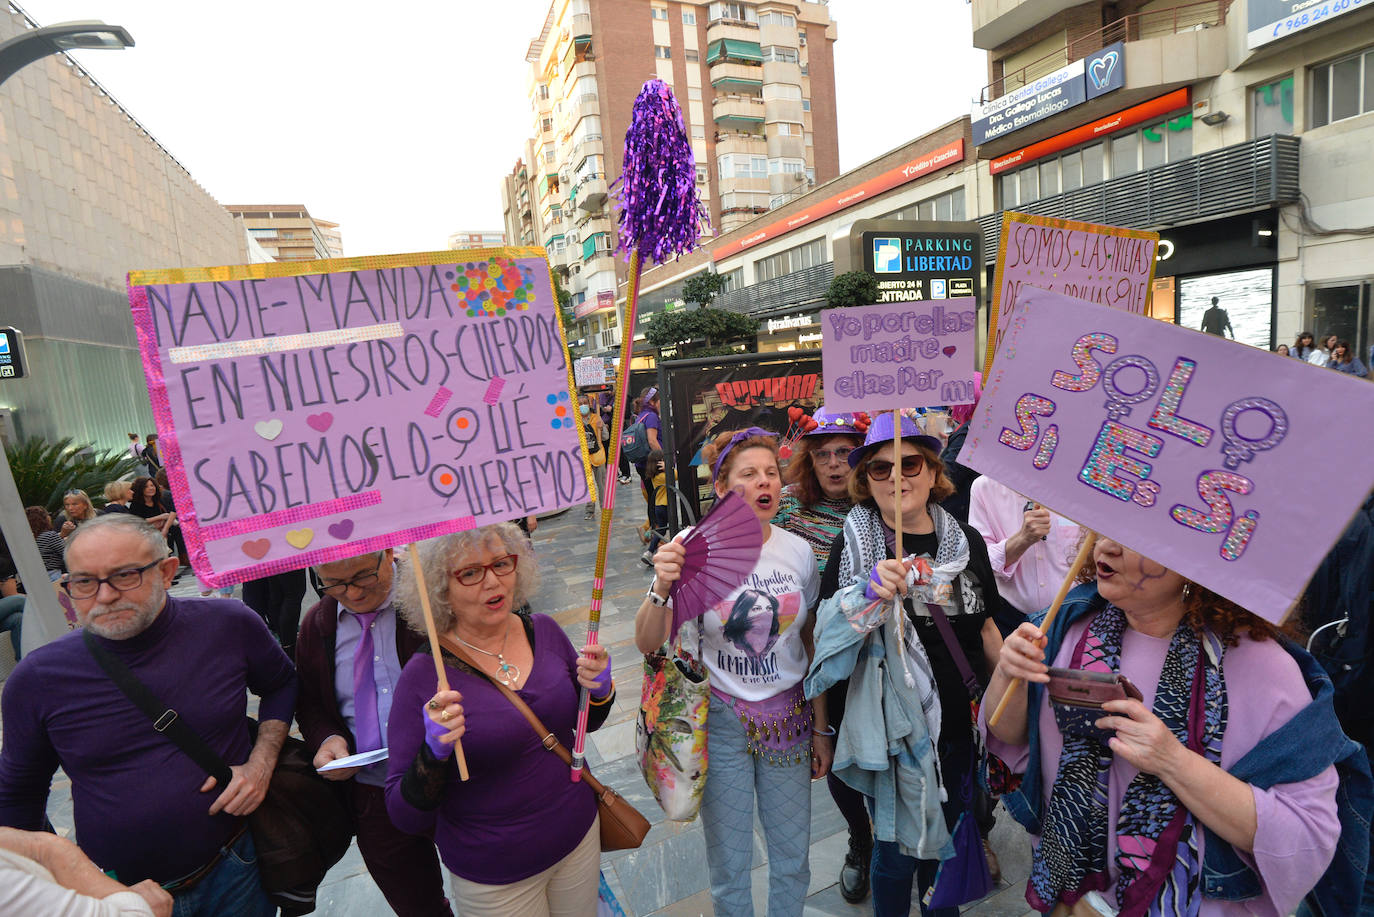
(854, 872)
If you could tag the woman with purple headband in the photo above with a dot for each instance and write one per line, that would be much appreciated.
(756, 644)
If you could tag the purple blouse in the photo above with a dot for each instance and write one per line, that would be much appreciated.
(1297, 826)
(519, 813)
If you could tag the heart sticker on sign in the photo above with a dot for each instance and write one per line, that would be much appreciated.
(299, 538)
(268, 429)
(950, 350)
(321, 421)
(257, 548)
(341, 529)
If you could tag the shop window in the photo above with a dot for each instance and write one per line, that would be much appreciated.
(1006, 190)
(1049, 178)
(1343, 88)
(1247, 296)
(1030, 184)
(1344, 310)
(1092, 163)
(1271, 108)
(1179, 137)
(1152, 150)
(1071, 169)
(1125, 154)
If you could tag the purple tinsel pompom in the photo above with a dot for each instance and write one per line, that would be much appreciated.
(659, 210)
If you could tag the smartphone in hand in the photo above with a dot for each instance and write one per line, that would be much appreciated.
(1077, 697)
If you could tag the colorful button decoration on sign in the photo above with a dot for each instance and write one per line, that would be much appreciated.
(490, 289)
(559, 402)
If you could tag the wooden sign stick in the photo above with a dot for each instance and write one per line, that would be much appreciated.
(897, 477)
(1085, 552)
(434, 648)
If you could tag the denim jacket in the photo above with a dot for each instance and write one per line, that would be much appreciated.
(884, 748)
(1300, 749)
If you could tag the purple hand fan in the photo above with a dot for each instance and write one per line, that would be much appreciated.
(721, 550)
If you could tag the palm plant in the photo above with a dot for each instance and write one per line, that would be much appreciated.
(44, 471)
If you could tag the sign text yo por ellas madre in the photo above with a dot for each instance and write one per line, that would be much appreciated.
(1183, 446)
(1107, 265)
(899, 355)
(316, 411)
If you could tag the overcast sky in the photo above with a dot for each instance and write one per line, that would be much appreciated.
(397, 120)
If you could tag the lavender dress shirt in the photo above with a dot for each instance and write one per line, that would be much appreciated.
(1029, 582)
(386, 670)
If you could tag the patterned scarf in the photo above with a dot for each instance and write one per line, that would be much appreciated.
(1156, 838)
(866, 535)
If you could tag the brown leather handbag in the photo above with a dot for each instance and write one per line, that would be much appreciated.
(622, 826)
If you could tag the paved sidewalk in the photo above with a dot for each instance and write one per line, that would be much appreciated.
(667, 875)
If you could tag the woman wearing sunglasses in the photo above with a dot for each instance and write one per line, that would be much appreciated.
(906, 740)
(519, 837)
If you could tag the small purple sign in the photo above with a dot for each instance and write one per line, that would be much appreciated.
(1210, 457)
(899, 354)
(315, 411)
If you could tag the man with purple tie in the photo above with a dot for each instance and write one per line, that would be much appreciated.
(349, 655)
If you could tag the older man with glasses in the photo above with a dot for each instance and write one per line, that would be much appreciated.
(350, 652)
(143, 808)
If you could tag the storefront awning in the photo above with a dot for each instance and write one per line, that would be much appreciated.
(735, 49)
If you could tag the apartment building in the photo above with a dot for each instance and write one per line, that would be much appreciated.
(288, 232)
(1239, 129)
(465, 239)
(757, 90)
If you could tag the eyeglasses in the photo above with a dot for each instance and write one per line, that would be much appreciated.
(825, 455)
(361, 581)
(501, 566)
(881, 469)
(87, 587)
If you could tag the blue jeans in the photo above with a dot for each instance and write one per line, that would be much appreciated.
(891, 875)
(735, 782)
(232, 887)
(12, 619)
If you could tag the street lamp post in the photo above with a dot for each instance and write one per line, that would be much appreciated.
(43, 617)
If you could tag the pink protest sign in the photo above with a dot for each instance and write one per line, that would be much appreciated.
(899, 354)
(1108, 265)
(313, 411)
(1212, 458)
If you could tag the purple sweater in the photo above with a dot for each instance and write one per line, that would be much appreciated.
(136, 796)
(519, 813)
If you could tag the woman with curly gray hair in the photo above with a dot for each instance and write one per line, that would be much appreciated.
(519, 837)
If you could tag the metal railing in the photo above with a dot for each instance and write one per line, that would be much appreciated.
(1257, 173)
(798, 288)
(1202, 14)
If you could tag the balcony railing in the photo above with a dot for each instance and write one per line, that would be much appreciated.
(799, 288)
(1234, 179)
(1187, 17)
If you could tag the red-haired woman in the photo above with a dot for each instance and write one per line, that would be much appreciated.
(1214, 795)
(814, 504)
(760, 727)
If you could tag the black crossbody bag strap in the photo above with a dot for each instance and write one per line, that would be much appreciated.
(164, 719)
(975, 690)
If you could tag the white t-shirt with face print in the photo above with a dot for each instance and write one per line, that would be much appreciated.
(752, 641)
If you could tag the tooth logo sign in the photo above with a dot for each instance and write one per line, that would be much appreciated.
(1101, 69)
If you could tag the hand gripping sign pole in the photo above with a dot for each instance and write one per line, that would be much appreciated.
(660, 217)
(434, 649)
(1084, 553)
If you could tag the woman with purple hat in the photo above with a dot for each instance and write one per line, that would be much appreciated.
(906, 740)
(756, 645)
(814, 505)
